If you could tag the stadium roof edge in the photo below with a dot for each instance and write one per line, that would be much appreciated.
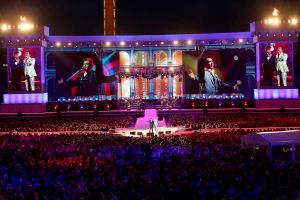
(137, 38)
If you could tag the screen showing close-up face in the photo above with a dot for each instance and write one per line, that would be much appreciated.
(276, 65)
(24, 69)
(217, 72)
(83, 74)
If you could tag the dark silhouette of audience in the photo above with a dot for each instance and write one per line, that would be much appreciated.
(213, 165)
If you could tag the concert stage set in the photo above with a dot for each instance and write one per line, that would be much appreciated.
(137, 72)
(142, 127)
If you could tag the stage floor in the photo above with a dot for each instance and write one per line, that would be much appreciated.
(132, 132)
(163, 131)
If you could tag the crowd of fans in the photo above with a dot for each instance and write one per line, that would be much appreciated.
(86, 123)
(200, 121)
(194, 121)
(94, 166)
(212, 165)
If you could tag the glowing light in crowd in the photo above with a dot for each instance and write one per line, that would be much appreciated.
(81, 107)
(189, 42)
(122, 43)
(55, 107)
(175, 42)
(107, 44)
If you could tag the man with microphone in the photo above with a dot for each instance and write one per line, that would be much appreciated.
(281, 67)
(85, 79)
(29, 72)
(213, 84)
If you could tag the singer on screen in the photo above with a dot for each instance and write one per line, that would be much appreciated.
(29, 72)
(281, 67)
(213, 84)
(85, 79)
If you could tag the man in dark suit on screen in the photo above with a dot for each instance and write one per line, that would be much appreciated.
(268, 62)
(16, 68)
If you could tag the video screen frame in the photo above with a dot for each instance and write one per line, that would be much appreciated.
(25, 72)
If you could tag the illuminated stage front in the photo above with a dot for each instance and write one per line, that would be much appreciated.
(276, 94)
(142, 126)
(25, 98)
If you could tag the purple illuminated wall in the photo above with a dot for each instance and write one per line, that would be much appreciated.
(276, 94)
(25, 98)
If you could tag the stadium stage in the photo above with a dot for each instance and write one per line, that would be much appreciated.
(163, 72)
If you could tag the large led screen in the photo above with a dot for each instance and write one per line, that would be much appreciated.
(276, 68)
(219, 71)
(83, 75)
(24, 69)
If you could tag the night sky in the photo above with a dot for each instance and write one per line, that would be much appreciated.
(137, 17)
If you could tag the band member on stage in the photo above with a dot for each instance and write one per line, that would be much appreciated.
(155, 125)
(281, 67)
(16, 68)
(151, 125)
(29, 72)
(85, 79)
(268, 66)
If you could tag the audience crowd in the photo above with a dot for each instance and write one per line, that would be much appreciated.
(86, 123)
(235, 120)
(212, 165)
(94, 166)
(195, 121)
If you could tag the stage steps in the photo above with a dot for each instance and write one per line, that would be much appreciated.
(151, 104)
(135, 106)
